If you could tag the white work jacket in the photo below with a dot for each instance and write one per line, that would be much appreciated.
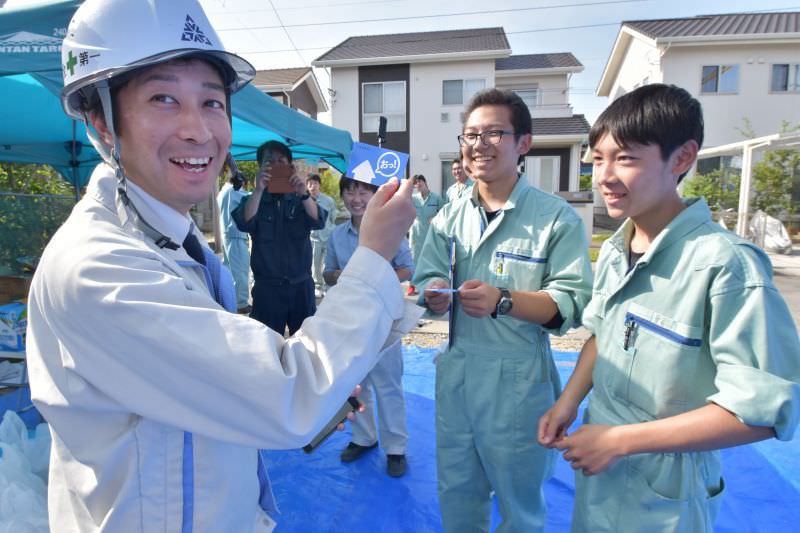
(128, 353)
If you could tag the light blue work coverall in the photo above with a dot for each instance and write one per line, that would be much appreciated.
(697, 320)
(457, 191)
(235, 251)
(426, 210)
(319, 240)
(385, 379)
(499, 376)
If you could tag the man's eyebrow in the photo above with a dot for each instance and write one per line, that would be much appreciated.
(173, 79)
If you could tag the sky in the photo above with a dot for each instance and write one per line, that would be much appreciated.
(292, 33)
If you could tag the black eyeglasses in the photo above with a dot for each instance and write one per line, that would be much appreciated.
(487, 137)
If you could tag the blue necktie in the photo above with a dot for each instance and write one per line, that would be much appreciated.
(220, 283)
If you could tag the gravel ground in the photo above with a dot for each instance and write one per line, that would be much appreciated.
(571, 342)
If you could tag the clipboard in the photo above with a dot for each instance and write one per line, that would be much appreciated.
(451, 318)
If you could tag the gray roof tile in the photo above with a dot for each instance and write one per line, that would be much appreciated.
(574, 125)
(422, 43)
(727, 24)
(280, 76)
(529, 61)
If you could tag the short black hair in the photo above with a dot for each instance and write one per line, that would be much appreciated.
(347, 184)
(273, 146)
(420, 177)
(520, 114)
(315, 177)
(664, 115)
(457, 160)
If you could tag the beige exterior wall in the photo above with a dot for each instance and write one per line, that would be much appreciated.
(344, 103)
(434, 126)
(724, 113)
(553, 92)
(642, 62)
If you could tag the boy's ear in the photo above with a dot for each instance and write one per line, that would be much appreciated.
(684, 157)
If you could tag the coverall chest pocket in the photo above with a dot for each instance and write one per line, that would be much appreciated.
(665, 362)
(518, 269)
(267, 222)
(294, 220)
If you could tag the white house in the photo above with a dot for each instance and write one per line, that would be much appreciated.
(744, 68)
(297, 88)
(421, 81)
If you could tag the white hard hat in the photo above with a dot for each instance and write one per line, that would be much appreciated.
(106, 38)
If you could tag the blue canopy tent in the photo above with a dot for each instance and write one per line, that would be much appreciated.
(34, 129)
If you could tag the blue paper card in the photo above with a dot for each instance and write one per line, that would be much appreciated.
(374, 165)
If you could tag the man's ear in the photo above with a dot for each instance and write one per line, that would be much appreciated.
(524, 144)
(98, 120)
(684, 157)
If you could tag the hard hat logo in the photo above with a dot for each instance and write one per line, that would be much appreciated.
(70, 64)
(193, 33)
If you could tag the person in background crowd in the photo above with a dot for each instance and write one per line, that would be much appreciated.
(319, 237)
(427, 204)
(386, 379)
(280, 225)
(235, 243)
(462, 188)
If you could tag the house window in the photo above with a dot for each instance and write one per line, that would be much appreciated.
(720, 79)
(785, 78)
(457, 92)
(387, 98)
(529, 96)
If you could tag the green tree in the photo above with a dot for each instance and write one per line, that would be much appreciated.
(720, 188)
(329, 179)
(33, 179)
(34, 202)
(585, 182)
(775, 178)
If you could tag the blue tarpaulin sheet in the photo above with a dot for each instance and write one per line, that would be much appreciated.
(318, 493)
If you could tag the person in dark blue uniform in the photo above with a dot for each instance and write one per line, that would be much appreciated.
(279, 226)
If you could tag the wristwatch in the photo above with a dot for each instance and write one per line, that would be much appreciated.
(305, 196)
(504, 304)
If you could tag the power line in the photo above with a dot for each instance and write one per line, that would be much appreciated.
(287, 34)
(344, 46)
(295, 8)
(442, 15)
(341, 45)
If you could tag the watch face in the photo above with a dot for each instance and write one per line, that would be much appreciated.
(505, 306)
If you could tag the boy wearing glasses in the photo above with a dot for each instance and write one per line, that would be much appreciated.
(521, 270)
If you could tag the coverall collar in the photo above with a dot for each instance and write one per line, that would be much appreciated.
(486, 228)
(512, 200)
(695, 214)
(103, 187)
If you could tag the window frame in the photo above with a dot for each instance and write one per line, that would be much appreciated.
(719, 67)
(793, 67)
(464, 97)
(365, 115)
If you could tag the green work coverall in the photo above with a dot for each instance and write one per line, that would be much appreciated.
(498, 377)
(426, 210)
(696, 320)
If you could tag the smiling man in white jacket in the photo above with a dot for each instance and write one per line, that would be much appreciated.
(157, 397)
